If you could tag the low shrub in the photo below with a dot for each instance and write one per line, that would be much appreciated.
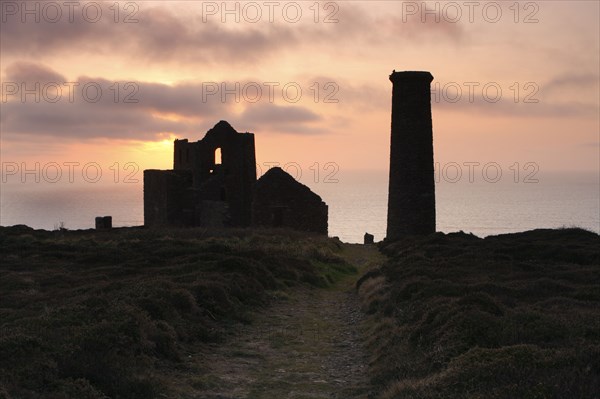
(509, 316)
(89, 314)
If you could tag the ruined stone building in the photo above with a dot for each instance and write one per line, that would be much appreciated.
(411, 195)
(212, 184)
(281, 201)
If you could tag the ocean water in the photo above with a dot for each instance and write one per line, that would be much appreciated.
(357, 204)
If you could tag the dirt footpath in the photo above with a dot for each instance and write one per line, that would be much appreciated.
(307, 345)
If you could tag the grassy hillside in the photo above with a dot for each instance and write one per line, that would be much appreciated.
(88, 314)
(510, 316)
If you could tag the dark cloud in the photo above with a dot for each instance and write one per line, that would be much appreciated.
(507, 107)
(158, 35)
(272, 114)
(97, 107)
(84, 121)
(30, 72)
(414, 27)
(531, 99)
(289, 119)
(590, 144)
(162, 36)
(357, 23)
(576, 81)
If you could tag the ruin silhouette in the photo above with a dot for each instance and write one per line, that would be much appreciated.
(213, 184)
(411, 195)
(281, 201)
(213, 181)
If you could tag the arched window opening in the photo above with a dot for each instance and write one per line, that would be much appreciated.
(218, 156)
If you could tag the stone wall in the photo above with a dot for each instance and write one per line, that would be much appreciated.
(169, 198)
(281, 201)
(231, 181)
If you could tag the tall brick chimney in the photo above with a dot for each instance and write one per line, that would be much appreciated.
(411, 196)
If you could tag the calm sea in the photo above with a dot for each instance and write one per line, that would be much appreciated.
(357, 204)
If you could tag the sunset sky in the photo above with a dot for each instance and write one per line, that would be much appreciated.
(167, 60)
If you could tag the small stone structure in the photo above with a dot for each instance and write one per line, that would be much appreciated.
(103, 222)
(281, 201)
(411, 196)
(369, 239)
(213, 184)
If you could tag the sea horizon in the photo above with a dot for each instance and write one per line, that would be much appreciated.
(357, 203)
